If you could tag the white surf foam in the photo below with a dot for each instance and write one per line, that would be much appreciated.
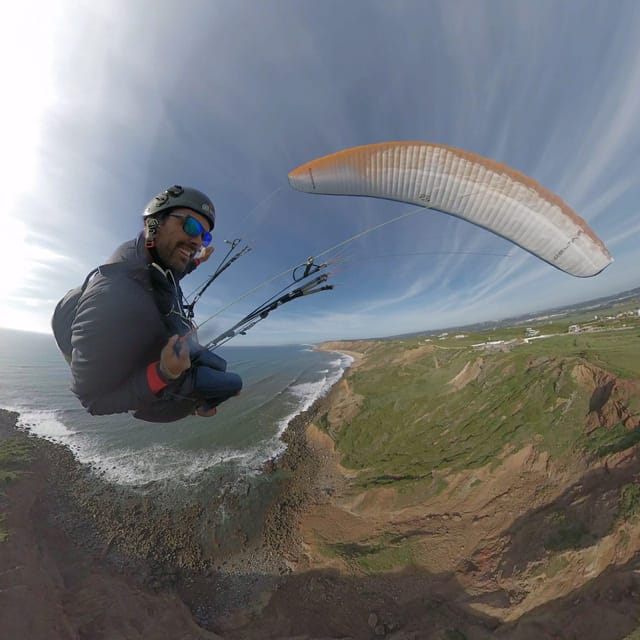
(44, 423)
(156, 462)
(130, 466)
(160, 462)
(306, 393)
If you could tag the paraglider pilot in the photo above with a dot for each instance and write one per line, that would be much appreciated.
(128, 340)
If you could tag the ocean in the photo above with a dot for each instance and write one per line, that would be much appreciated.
(279, 383)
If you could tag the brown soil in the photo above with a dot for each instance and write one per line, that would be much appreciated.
(482, 545)
(76, 565)
(469, 373)
(609, 403)
(52, 588)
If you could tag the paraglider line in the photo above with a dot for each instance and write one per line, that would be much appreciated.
(304, 264)
(424, 253)
(237, 240)
(263, 201)
(412, 212)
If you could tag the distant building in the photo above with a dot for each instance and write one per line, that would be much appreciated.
(530, 333)
(574, 328)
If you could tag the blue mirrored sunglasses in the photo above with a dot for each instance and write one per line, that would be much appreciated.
(193, 228)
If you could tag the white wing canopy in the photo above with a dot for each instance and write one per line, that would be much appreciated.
(479, 190)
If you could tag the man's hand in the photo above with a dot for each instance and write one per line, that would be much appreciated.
(174, 358)
(205, 254)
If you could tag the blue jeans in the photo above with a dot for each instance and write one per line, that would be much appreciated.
(213, 386)
(210, 381)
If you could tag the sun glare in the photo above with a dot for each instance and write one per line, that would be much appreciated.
(14, 262)
(27, 55)
(26, 58)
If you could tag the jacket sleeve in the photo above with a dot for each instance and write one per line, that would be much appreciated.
(116, 334)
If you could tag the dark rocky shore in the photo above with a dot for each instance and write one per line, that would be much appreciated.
(250, 557)
(220, 546)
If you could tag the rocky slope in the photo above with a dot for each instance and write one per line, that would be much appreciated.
(52, 587)
(533, 544)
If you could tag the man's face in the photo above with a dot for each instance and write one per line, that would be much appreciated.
(174, 246)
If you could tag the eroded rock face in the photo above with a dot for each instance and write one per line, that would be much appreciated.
(611, 398)
(345, 405)
(487, 550)
(469, 373)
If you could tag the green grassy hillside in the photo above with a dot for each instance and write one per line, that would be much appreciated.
(413, 422)
(16, 453)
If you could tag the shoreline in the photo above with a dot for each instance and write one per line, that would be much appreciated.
(314, 552)
(180, 548)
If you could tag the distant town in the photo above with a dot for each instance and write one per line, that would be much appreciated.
(597, 323)
(591, 315)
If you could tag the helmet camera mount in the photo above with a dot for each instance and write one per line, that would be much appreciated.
(151, 225)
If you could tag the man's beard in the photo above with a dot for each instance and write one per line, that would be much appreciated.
(175, 259)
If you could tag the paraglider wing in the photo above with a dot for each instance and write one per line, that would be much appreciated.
(477, 189)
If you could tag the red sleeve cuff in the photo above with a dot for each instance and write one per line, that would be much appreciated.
(155, 382)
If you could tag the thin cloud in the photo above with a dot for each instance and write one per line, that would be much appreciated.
(141, 97)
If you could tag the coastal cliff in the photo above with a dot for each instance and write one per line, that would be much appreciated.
(503, 483)
(436, 493)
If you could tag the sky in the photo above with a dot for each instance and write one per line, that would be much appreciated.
(113, 101)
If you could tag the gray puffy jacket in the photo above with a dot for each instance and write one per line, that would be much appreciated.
(124, 317)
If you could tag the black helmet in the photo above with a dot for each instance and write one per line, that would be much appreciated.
(178, 196)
